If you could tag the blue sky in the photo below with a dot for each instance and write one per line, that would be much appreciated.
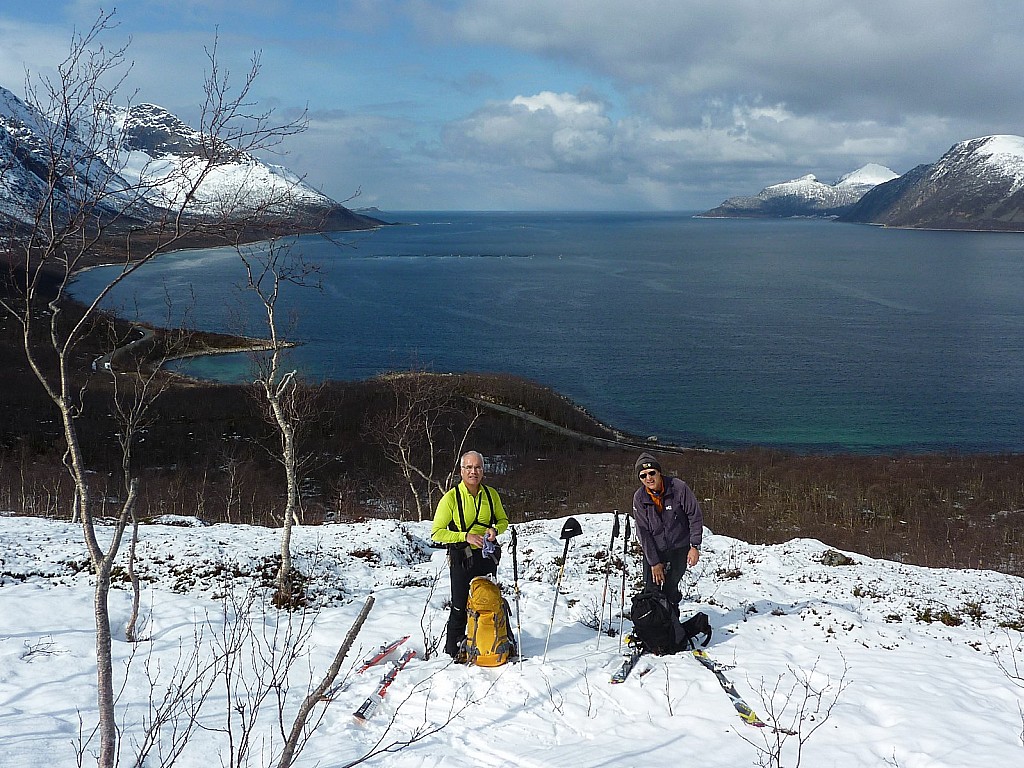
(572, 104)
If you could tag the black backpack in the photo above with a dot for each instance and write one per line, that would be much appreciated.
(698, 624)
(656, 626)
(654, 622)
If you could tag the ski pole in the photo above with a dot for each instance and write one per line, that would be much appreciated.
(622, 596)
(607, 577)
(515, 582)
(570, 530)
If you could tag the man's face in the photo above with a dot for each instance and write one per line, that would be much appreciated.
(651, 478)
(472, 470)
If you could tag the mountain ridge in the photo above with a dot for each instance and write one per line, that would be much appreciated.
(978, 184)
(145, 147)
(805, 196)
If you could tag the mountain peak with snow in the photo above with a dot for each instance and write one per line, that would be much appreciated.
(870, 175)
(978, 184)
(806, 196)
(150, 149)
(152, 129)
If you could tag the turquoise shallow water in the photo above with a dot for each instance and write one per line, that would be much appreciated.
(801, 334)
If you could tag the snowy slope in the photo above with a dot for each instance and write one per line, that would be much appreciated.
(149, 161)
(907, 689)
(27, 139)
(158, 146)
(996, 159)
(977, 184)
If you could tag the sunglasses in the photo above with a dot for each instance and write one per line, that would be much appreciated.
(649, 473)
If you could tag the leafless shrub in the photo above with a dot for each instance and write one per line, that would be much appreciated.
(174, 705)
(794, 713)
(431, 639)
(42, 647)
(422, 430)
(457, 706)
(1009, 655)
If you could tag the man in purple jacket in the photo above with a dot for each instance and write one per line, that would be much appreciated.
(669, 525)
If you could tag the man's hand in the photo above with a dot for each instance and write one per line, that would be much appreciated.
(476, 540)
(692, 557)
(658, 574)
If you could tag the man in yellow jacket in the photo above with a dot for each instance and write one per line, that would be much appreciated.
(467, 516)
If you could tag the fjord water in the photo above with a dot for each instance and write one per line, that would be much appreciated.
(802, 334)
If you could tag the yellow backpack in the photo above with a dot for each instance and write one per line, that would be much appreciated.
(489, 641)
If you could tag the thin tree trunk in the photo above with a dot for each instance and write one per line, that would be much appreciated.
(291, 745)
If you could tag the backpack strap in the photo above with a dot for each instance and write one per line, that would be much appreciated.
(490, 504)
(462, 514)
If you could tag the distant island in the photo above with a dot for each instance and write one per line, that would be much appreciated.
(806, 196)
(977, 185)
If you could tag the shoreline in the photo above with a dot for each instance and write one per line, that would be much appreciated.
(234, 344)
(204, 450)
(207, 343)
(248, 344)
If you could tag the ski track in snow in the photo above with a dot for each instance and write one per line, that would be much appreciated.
(919, 694)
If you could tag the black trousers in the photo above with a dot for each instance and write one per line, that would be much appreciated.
(675, 566)
(462, 570)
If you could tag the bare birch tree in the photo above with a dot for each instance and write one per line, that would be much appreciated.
(135, 388)
(423, 431)
(269, 267)
(84, 203)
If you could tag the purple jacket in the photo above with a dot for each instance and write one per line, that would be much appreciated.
(679, 524)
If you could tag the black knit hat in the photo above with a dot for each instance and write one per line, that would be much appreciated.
(645, 462)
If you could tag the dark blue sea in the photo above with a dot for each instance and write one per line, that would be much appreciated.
(801, 334)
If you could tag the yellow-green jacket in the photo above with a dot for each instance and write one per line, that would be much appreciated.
(478, 514)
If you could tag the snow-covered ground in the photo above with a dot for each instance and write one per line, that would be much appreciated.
(899, 687)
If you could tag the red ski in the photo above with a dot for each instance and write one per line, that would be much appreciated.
(371, 660)
(380, 654)
(373, 701)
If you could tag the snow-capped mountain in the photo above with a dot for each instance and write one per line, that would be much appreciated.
(865, 178)
(147, 162)
(161, 151)
(26, 141)
(806, 196)
(978, 184)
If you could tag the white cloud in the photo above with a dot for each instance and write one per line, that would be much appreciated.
(546, 131)
(31, 47)
(679, 104)
(834, 84)
(734, 147)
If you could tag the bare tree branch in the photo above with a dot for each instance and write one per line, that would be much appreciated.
(85, 204)
(424, 433)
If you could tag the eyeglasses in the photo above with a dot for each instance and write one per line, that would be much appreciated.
(473, 469)
(649, 473)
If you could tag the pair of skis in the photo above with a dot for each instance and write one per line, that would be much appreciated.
(744, 710)
(747, 715)
(372, 702)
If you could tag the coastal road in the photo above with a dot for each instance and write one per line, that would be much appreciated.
(619, 442)
(103, 362)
